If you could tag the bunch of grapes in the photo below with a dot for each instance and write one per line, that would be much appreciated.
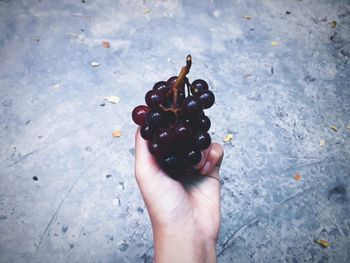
(174, 123)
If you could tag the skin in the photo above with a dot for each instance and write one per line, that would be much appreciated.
(185, 220)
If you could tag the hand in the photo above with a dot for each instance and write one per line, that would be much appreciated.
(185, 219)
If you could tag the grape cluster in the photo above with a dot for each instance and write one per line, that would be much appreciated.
(174, 123)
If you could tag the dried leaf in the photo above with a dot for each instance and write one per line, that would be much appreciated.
(274, 43)
(334, 24)
(113, 99)
(105, 44)
(248, 76)
(94, 64)
(228, 137)
(322, 143)
(146, 10)
(117, 133)
(348, 127)
(297, 177)
(322, 243)
(248, 17)
(334, 128)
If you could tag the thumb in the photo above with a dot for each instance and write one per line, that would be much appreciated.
(212, 165)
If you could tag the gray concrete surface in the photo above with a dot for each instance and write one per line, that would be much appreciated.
(277, 99)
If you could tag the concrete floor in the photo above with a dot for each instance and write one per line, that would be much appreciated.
(281, 75)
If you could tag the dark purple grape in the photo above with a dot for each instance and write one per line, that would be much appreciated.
(202, 124)
(156, 118)
(156, 149)
(171, 81)
(182, 133)
(207, 98)
(164, 137)
(139, 114)
(193, 157)
(171, 117)
(202, 140)
(147, 132)
(192, 107)
(163, 87)
(198, 86)
(171, 163)
(154, 99)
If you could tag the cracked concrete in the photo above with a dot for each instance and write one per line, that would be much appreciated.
(280, 73)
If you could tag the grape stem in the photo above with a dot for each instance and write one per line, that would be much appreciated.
(180, 79)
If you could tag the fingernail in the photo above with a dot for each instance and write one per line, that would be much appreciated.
(206, 167)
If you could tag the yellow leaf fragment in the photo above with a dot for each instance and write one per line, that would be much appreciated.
(274, 43)
(113, 99)
(105, 44)
(297, 177)
(334, 128)
(117, 134)
(333, 24)
(228, 137)
(322, 143)
(146, 10)
(248, 17)
(322, 243)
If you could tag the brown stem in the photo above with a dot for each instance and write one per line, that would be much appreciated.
(181, 78)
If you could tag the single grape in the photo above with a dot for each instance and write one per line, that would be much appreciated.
(193, 157)
(202, 140)
(202, 123)
(182, 133)
(207, 98)
(156, 149)
(171, 81)
(139, 114)
(198, 86)
(192, 107)
(163, 87)
(171, 163)
(154, 99)
(170, 117)
(156, 118)
(164, 137)
(147, 132)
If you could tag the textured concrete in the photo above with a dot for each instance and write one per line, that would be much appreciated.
(277, 99)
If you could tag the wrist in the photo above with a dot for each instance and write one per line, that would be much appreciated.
(184, 244)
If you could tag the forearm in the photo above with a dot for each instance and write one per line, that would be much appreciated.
(185, 245)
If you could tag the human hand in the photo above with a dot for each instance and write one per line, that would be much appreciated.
(185, 218)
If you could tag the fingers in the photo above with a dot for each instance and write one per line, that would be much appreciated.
(145, 164)
(204, 158)
(213, 161)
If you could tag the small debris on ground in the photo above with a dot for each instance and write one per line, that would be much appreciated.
(56, 86)
(248, 17)
(348, 127)
(117, 133)
(334, 128)
(288, 12)
(322, 243)
(108, 176)
(102, 104)
(322, 143)
(35, 178)
(113, 99)
(297, 177)
(105, 44)
(334, 24)
(146, 10)
(274, 43)
(94, 64)
(228, 137)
